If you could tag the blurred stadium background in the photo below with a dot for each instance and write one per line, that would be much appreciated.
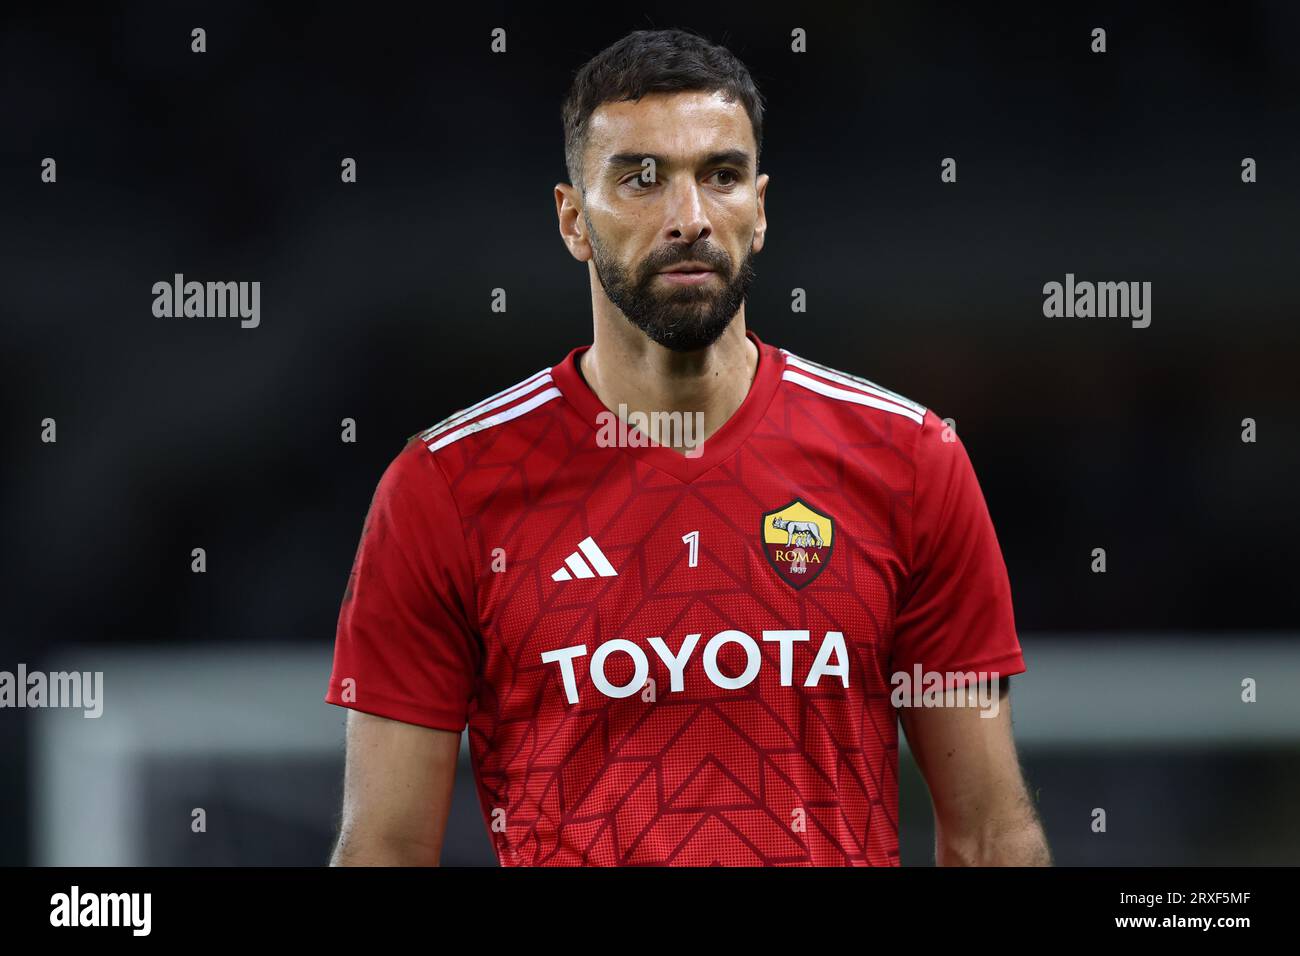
(183, 433)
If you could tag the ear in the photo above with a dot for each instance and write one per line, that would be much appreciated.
(568, 209)
(760, 227)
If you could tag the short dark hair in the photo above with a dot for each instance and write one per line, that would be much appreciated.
(654, 61)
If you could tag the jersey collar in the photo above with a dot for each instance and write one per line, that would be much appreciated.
(717, 448)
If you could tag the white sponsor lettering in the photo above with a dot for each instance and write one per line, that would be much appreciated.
(832, 661)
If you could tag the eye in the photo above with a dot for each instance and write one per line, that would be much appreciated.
(638, 184)
(735, 176)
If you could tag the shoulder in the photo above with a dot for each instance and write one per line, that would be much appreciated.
(516, 403)
(433, 463)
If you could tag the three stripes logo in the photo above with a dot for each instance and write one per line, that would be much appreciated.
(576, 567)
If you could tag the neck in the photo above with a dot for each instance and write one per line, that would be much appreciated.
(625, 368)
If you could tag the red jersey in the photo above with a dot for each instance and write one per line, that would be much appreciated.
(667, 658)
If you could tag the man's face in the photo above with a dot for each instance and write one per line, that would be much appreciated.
(699, 203)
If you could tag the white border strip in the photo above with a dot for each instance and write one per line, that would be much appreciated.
(844, 378)
(523, 408)
(500, 398)
(844, 395)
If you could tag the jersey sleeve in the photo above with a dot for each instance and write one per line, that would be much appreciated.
(407, 645)
(956, 614)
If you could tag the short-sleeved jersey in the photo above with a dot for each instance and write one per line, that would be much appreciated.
(667, 658)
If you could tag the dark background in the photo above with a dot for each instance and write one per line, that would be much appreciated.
(181, 433)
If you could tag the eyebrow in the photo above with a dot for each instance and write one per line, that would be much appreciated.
(726, 157)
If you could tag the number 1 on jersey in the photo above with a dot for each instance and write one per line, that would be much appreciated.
(692, 540)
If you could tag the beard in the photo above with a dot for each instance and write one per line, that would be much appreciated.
(680, 318)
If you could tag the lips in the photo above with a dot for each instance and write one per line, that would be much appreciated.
(683, 277)
(687, 267)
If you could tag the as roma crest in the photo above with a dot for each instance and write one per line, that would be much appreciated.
(797, 540)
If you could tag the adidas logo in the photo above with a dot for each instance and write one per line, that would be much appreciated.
(580, 568)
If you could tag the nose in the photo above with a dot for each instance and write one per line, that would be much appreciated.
(687, 220)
